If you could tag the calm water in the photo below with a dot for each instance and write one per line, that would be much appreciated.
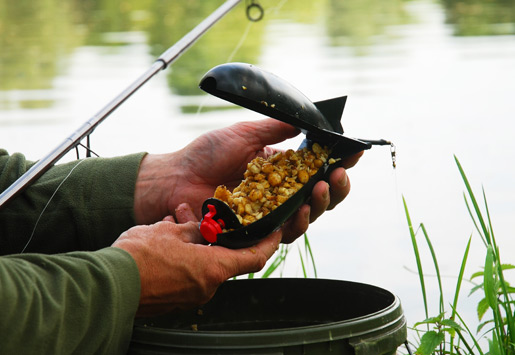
(435, 77)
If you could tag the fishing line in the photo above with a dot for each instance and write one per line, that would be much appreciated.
(240, 43)
(278, 6)
(398, 213)
(48, 203)
(229, 59)
(250, 5)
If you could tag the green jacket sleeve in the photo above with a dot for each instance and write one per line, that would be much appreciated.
(74, 302)
(81, 205)
(80, 302)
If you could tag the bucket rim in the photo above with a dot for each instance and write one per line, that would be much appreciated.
(389, 320)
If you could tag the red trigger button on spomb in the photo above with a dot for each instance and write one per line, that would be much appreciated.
(209, 228)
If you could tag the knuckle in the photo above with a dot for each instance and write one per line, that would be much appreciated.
(261, 261)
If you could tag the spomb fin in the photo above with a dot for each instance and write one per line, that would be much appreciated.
(332, 109)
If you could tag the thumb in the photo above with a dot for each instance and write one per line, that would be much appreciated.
(265, 132)
(234, 262)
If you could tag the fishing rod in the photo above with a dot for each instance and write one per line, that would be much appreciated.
(166, 58)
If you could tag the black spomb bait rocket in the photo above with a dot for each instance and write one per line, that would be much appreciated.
(251, 87)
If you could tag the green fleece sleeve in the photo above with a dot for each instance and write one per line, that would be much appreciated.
(79, 302)
(81, 205)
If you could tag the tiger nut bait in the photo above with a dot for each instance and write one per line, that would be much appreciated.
(270, 182)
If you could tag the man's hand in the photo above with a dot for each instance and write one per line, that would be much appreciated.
(220, 157)
(177, 273)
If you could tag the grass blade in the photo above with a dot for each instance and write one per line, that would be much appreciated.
(417, 257)
(476, 344)
(474, 202)
(435, 262)
(490, 289)
(460, 278)
(493, 261)
(500, 273)
(278, 260)
(310, 251)
(490, 227)
(302, 263)
(474, 221)
(507, 304)
(458, 284)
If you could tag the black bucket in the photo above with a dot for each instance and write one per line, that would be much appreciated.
(280, 316)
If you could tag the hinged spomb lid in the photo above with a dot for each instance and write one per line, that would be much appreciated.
(251, 87)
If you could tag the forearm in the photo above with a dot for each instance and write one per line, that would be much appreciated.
(82, 205)
(68, 303)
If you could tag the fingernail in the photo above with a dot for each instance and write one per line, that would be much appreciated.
(325, 194)
(343, 180)
(169, 219)
(308, 214)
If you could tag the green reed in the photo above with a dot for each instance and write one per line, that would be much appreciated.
(447, 333)
(277, 264)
